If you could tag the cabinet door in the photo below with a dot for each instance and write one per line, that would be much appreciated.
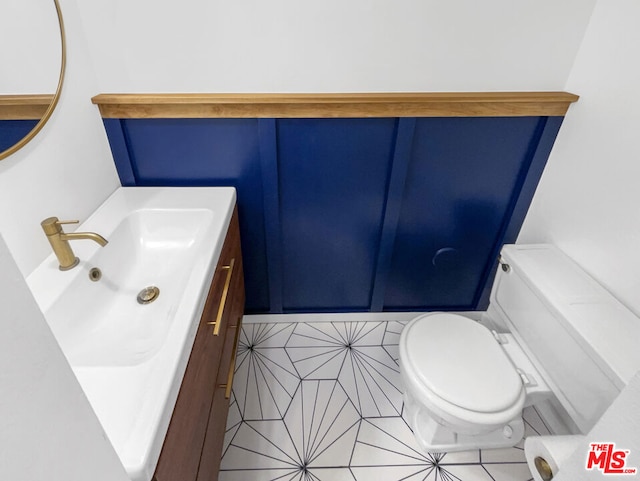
(216, 424)
(463, 180)
(182, 450)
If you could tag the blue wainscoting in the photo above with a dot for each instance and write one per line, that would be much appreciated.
(367, 214)
(463, 178)
(333, 177)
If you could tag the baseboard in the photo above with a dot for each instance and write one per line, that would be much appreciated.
(331, 317)
(343, 317)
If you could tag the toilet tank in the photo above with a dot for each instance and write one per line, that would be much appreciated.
(584, 341)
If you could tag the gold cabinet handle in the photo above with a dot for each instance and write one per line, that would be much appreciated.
(232, 367)
(223, 300)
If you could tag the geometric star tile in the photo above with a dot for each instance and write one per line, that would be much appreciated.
(323, 423)
(372, 379)
(323, 474)
(392, 338)
(318, 349)
(428, 472)
(261, 445)
(234, 419)
(508, 471)
(353, 353)
(315, 437)
(265, 379)
(264, 336)
(322, 401)
(390, 442)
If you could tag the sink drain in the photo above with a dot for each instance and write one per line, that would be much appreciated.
(148, 295)
(95, 274)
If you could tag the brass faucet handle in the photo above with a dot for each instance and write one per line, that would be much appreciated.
(51, 225)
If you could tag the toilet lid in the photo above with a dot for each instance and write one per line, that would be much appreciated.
(460, 361)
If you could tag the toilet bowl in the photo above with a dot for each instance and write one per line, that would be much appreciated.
(466, 382)
(462, 388)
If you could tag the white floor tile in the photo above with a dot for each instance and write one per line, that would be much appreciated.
(267, 335)
(330, 474)
(321, 418)
(262, 475)
(393, 332)
(460, 472)
(509, 472)
(310, 474)
(386, 441)
(533, 423)
(323, 401)
(372, 380)
(393, 351)
(264, 383)
(430, 472)
(234, 419)
(503, 455)
(393, 473)
(317, 362)
(318, 334)
(261, 445)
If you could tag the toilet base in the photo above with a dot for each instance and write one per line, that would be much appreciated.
(434, 436)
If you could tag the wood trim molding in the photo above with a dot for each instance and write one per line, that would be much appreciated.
(462, 104)
(24, 107)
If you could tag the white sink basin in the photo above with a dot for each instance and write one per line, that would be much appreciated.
(130, 357)
(149, 247)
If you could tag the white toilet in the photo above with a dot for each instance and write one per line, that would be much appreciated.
(550, 333)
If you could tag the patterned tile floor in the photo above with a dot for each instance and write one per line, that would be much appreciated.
(322, 401)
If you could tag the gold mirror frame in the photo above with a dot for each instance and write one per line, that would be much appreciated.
(56, 96)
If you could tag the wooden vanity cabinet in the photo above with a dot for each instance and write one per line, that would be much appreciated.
(193, 444)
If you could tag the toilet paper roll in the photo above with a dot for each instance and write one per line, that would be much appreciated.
(553, 449)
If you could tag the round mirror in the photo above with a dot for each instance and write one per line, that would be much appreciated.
(32, 63)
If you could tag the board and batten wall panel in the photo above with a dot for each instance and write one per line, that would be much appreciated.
(342, 213)
(463, 178)
(333, 176)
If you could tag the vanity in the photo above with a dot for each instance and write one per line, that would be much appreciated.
(193, 446)
(157, 369)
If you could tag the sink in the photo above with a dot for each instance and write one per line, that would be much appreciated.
(128, 356)
(149, 247)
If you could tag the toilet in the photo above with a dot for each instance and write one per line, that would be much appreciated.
(551, 336)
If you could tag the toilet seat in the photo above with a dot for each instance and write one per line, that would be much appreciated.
(455, 366)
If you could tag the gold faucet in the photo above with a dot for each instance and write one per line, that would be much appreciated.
(59, 241)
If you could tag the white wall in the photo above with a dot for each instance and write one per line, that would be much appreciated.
(588, 202)
(47, 427)
(67, 170)
(333, 45)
